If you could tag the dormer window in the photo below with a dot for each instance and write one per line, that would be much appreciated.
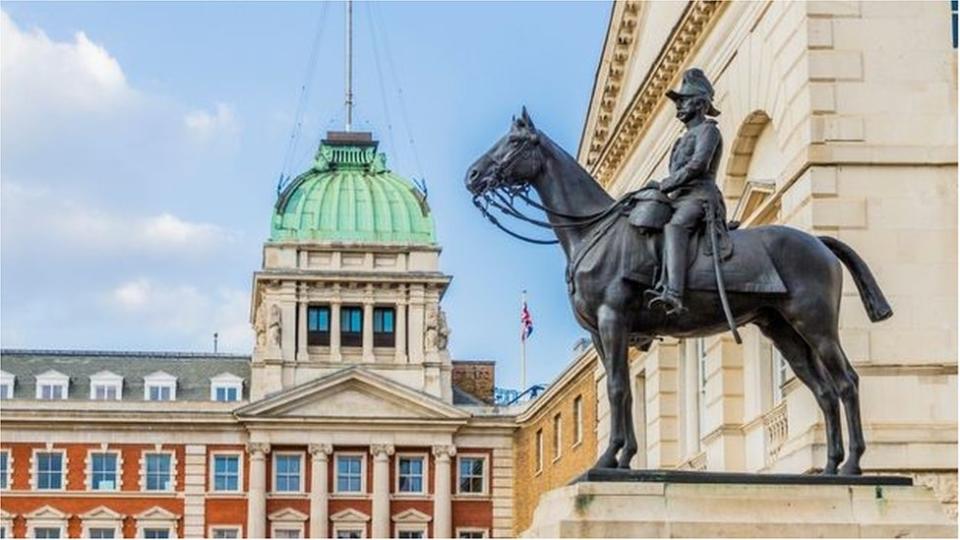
(160, 386)
(106, 385)
(318, 325)
(7, 381)
(52, 385)
(226, 387)
(383, 326)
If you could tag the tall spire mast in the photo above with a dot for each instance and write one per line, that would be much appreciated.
(349, 67)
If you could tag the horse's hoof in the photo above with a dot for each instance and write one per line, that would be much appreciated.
(831, 470)
(850, 470)
(605, 462)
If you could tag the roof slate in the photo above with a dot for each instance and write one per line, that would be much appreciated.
(192, 370)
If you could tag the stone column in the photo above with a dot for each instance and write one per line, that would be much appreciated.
(319, 494)
(302, 355)
(400, 342)
(442, 492)
(335, 331)
(381, 490)
(257, 493)
(415, 324)
(368, 330)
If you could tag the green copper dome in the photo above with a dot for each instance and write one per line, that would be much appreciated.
(349, 195)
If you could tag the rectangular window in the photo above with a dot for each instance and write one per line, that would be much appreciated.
(539, 443)
(349, 533)
(46, 532)
(49, 470)
(286, 533)
(557, 436)
(410, 533)
(103, 467)
(351, 326)
(102, 532)
(349, 474)
(159, 393)
(51, 391)
(953, 21)
(318, 325)
(156, 533)
(4, 470)
(226, 473)
(701, 351)
(104, 392)
(471, 474)
(577, 420)
(286, 475)
(226, 393)
(158, 472)
(6, 391)
(383, 327)
(225, 532)
(471, 533)
(410, 474)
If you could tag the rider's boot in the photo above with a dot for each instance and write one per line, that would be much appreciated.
(675, 240)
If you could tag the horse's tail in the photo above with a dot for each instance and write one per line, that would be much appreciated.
(874, 302)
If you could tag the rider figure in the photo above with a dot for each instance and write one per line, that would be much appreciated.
(691, 186)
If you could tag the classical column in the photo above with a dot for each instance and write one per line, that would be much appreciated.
(400, 329)
(442, 492)
(415, 324)
(368, 330)
(257, 494)
(381, 490)
(319, 494)
(335, 331)
(302, 326)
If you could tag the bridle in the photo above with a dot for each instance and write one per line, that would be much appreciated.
(499, 194)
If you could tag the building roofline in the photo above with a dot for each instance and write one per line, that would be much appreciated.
(173, 355)
(584, 360)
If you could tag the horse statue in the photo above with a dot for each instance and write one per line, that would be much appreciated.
(611, 265)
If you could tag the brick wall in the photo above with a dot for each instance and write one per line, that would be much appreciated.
(575, 457)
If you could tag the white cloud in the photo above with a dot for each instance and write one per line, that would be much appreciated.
(38, 216)
(205, 125)
(185, 313)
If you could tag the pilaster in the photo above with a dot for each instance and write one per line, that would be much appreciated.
(319, 490)
(257, 493)
(442, 505)
(380, 525)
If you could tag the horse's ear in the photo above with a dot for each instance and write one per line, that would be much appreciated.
(526, 118)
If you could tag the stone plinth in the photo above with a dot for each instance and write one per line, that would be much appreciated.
(723, 506)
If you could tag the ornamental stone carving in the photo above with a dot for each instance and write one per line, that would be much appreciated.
(320, 451)
(258, 449)
(444, 451)
(381, 451)
(275, 330)
(437, 333)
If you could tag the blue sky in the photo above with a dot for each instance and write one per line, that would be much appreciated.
(141, 145)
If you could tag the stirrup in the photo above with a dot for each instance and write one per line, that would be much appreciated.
(672, 303)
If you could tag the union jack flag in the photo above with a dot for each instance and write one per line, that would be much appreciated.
(526, 322)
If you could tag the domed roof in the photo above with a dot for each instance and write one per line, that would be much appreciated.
(349, 195)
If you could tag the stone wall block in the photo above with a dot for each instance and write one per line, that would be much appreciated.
(819, 33)
(839, 213)
(832, 8)
(830, 65)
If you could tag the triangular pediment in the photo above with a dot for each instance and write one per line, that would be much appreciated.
(101, 513)
(156, 514)
(46, 512)
(350, 516)
(352, 393)
(287, 514)
(411, 515)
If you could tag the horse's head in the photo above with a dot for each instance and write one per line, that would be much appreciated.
(513, 161)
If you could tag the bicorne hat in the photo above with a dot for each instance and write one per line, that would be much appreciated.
(695, 83)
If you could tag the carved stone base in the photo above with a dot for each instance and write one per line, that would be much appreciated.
(723, 509)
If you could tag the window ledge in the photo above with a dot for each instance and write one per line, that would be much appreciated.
(287, 494)
(470, 496)
(226, 494)
(358, 496)
(411, 496)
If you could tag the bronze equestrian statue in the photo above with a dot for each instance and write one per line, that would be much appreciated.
(783, 280)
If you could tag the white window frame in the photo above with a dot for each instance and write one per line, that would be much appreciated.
(485, 480)
(88, 531)
(172, 474)
(227, 381)
(213, 473)
(8, 476)
(35, 469)
(156, 518)
(159, 379)
(235, 528)
(101, 517)
(53, 378)
(6, 523)
(337, 527)
(7, 381)
(557, 423)
(287, 518)
(781, 373)
(336, 472)
(303, 466)
(106, 379)
(410, 527)
(118, 472)
(46, 517)
(577, 420)
(485, 533)
(426, 474)
(411, 520)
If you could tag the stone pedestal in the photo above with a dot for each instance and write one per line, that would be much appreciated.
(646, 509)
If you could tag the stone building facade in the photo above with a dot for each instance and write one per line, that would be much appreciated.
(838, 118)
(344, 422)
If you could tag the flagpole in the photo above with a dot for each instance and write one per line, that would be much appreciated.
(523, 347)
